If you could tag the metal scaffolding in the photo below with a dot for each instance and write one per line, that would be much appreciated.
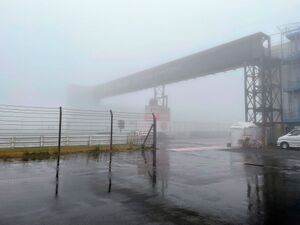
(263, 101)
(263, 95)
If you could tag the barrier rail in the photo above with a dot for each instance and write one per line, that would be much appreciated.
(22, 126)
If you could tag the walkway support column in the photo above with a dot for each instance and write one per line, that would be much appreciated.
(263, 96)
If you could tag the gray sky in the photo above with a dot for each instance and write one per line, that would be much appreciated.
(47, 45)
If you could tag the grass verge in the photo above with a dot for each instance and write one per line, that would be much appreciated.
(48, 152)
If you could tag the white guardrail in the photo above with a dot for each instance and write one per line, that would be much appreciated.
(27, 126)
(21, 141)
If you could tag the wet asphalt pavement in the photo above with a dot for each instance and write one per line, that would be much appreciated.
(190, 183)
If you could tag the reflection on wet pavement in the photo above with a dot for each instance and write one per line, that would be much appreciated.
(147, 187)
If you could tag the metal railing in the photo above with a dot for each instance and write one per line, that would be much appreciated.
(282, 45)
(22, 126)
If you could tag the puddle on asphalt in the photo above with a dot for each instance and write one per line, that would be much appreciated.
(146, 187)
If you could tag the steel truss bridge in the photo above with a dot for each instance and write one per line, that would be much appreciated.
(263, 92)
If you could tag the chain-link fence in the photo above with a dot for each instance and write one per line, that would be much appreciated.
(22, 126)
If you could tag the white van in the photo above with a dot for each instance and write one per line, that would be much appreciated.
(290, 140)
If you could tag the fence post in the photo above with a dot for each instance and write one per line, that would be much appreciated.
(59, 141)
(154, 151)
(109, 172)
(154, 131)
(110, 147)
(111, 129)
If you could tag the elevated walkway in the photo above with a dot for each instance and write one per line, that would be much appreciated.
(222, 58)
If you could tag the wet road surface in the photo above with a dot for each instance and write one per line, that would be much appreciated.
(189, 183)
